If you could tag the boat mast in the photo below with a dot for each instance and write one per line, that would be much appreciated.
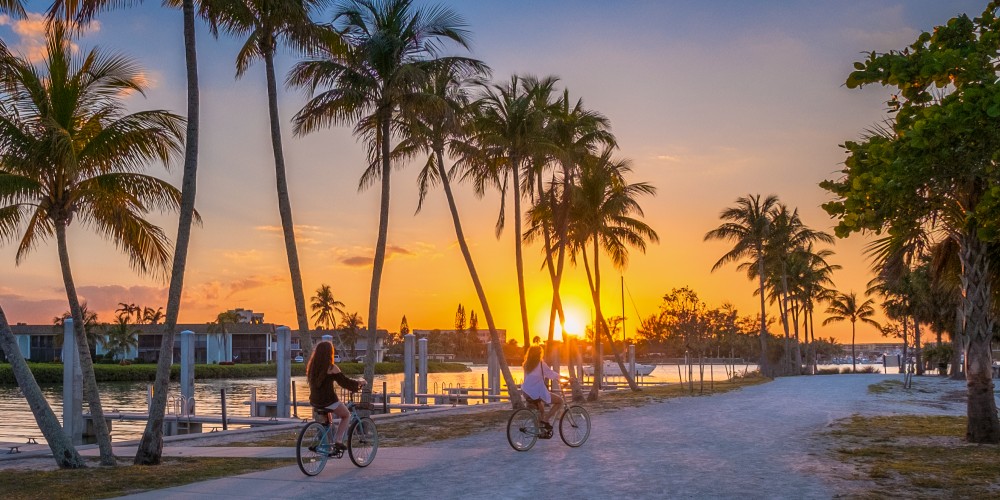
(623, 312)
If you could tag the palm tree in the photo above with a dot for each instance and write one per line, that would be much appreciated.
(128, 310)
(324, 305)
(749, 227)
(351, 325)
(441, 120)
(265, 23)
(152, 316)
(69, 150)
(604, 214)
(508, 131)
(91, 326)
(388, 46)
(120, 336)
(150, 449)
(845, 307)
(221, 325)
(63, 451)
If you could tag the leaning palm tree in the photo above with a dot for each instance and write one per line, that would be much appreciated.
(63, 451)
(372, 70)
(845, 307)
(325, 306)
(748, 225)
(150, 449)
(265, 23)
(69, 151)
(604, 215)
(440, 120)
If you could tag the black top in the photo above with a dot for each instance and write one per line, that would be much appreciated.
(324, 395)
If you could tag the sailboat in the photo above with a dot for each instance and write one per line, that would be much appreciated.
(610, 367)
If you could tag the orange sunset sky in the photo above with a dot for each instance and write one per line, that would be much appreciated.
(710, 100)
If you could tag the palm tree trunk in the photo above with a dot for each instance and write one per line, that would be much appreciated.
(916, 345)
(379, 262)
(783, 298)
(983, 426)
(150, 448)
(515, 396)
(764, 368)
(285, 208)
(90, 391)
(62, 447)
(854, 365)
(958, 347)
(600, 322)
(519, 257)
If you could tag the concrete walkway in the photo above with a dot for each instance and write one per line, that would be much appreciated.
(760, 442)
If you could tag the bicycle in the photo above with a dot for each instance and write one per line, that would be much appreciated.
(523, 429)
(315, 444)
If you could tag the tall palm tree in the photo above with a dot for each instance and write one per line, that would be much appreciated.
(265, 23)
(604, 215)
(69, 150)
(575, 133)
(845, 307)
(440, 120)
(372, 70)
(150, 449)
(508, 131)
(59, 442)
(223, 321)
(748, 226)
(152, 316)
(324, 305)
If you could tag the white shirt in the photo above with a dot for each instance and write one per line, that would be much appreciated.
(534, 382)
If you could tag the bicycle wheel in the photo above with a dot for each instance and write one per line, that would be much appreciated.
(312, 448)
(522, 429)
(362, 441)
(574, 426)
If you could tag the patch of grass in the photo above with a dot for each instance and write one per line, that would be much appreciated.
(127, 479)
(885, 386)
(917, 456)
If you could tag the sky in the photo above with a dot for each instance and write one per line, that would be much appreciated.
(710, 101)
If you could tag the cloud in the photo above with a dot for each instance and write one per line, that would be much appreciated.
(31, 35)
(20, 309)
(304, 234)
(668, 158)
(251, 283)
(391, 251)
(358, 261)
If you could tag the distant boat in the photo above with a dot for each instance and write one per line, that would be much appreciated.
(611, 369)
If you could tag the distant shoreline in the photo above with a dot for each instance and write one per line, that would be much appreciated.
(52, 373)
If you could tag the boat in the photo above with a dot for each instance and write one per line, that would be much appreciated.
(611, 369)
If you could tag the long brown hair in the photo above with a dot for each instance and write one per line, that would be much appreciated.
(532, 358)
(319, 363)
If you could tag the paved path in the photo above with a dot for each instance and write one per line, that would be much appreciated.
(759, 442)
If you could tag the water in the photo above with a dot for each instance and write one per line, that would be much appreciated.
(17, 421)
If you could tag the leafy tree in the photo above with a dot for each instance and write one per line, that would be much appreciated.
(69, 150)
(351, 326)
(372, 70)
(846, 307)
(748, 226)
(937, 168)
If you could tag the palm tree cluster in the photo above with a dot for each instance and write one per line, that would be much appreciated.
(69, 152)
(775, 248)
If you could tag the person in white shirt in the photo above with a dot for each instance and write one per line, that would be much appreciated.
(536, 372)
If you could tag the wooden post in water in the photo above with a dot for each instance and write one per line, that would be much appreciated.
(385, 398)
(225, 420)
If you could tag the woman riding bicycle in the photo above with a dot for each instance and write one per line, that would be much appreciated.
(536, 372)
(321, 372)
